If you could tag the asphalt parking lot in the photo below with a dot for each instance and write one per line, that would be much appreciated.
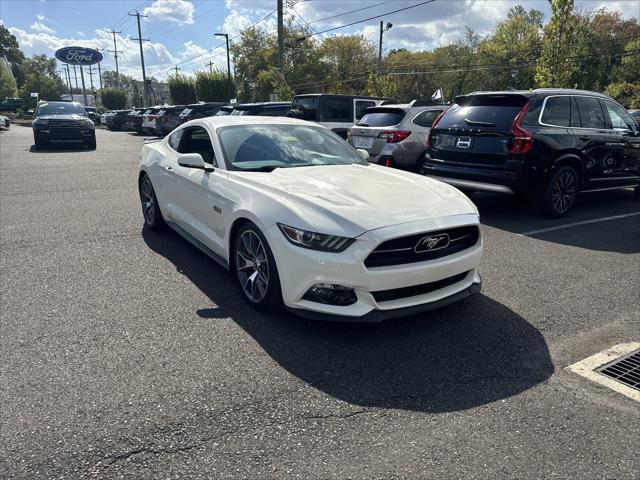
(129, 354)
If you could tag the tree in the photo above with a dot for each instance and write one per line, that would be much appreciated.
(348, 60)
(381, 86)
(110, 79)
(8, 87)
(182, 89)
(557, 65)
(113, 98)
(10, 48)
(40, 73)
(625, 93)
(214, 87)
(510, 54)
(272, 81)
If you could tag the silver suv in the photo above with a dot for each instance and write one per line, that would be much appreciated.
(395, 135)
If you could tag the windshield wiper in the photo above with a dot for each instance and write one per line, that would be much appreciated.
(479, 124)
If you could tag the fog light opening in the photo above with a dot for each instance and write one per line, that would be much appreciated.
(329, 294)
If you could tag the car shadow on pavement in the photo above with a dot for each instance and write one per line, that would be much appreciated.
(465, 355)
(621, 234)
(61, 148)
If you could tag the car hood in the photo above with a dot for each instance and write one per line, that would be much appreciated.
(352, 199)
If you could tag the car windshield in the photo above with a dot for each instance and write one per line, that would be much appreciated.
(61, 108)
(267, 147)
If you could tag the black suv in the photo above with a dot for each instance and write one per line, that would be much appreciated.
(548, 144)
(62, 122)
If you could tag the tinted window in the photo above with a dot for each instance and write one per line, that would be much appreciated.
(381, 118)
(337, 110)
(361, 106)
(575, 115)
(426, 118)
(590, 112)
(275, 111)
(196, 140)
(557, 111)
(308, 105)
(484, 111)
(174, 139)
(619, 117)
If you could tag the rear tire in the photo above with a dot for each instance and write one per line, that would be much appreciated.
(561, 192)
(256, 270)
(150, 209)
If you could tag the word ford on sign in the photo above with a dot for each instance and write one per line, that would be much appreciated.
(78, 56)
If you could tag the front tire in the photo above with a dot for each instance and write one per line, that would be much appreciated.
(255, 269)
(150, 209)
(91, 144)
(561, 192)
(40, 144)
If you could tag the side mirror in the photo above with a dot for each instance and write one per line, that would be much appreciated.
(193, 160)
(363, 153)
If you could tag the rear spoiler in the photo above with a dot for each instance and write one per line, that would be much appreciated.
(463, 99)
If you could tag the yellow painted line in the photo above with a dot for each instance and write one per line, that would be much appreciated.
(587, 367)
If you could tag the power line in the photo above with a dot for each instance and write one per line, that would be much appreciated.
(370, 18)
(351, 11)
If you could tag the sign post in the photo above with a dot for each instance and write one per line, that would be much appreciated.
(80, 56)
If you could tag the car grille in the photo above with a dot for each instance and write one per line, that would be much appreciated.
(64, 124)
(405, 292)
(419, 247)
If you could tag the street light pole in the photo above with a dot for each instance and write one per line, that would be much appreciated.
(226, 36)
(382, 30)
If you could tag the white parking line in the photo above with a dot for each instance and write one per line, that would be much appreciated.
(575, 224)
(587, 368)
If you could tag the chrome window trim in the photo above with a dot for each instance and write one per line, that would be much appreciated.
(544, 104)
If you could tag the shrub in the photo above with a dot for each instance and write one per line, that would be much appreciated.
(113, 98)
(182, 89)
(214, 87)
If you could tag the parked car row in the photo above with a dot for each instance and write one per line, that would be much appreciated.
(5, 122)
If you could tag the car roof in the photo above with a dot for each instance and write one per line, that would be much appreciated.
(538, 91)
(363, 97)
(261, 104)
(223, 121)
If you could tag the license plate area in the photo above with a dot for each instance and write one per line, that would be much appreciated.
(362, 142)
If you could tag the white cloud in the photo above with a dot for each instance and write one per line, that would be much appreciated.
(178, 11)
(157, 57)
(41, 27)
(81, 33)
(41, 17)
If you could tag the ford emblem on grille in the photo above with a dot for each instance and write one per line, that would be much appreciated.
(432, 242)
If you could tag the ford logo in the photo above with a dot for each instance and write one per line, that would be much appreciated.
(78, 56)
(431, 243)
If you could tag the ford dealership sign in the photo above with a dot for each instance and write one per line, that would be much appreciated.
(79, 56)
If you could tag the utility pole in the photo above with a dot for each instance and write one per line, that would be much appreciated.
(99, 70)
(84, 92)
(382, 30)
(176, 68)
(115, 54)
(91, 77)
(140, 40)
(226, 37)
(210, 66)
(280, 37)
(75, 74)
(69, 77)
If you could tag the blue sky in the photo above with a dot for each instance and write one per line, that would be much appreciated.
(181, 31)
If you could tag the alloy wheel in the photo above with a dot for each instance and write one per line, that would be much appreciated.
(565, 191)
(148, 201)
(252, 266)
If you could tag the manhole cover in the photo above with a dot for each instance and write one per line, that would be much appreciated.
(625, 370)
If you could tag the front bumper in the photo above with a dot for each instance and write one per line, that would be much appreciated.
(300, 269)
(64, 135)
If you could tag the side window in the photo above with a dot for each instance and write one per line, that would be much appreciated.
(196, 140)
(361, 106)
(337, 110)
(590, 112)
(620, 119)
(575, 116)
(274, 111)
(557, 111)
(426, 118)
(174, 139)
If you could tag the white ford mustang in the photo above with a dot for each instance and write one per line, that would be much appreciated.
(302, 220)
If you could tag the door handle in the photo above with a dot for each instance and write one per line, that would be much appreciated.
(168, 168)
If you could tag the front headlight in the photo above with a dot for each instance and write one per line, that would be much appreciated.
(314, 240)
(88, 122)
